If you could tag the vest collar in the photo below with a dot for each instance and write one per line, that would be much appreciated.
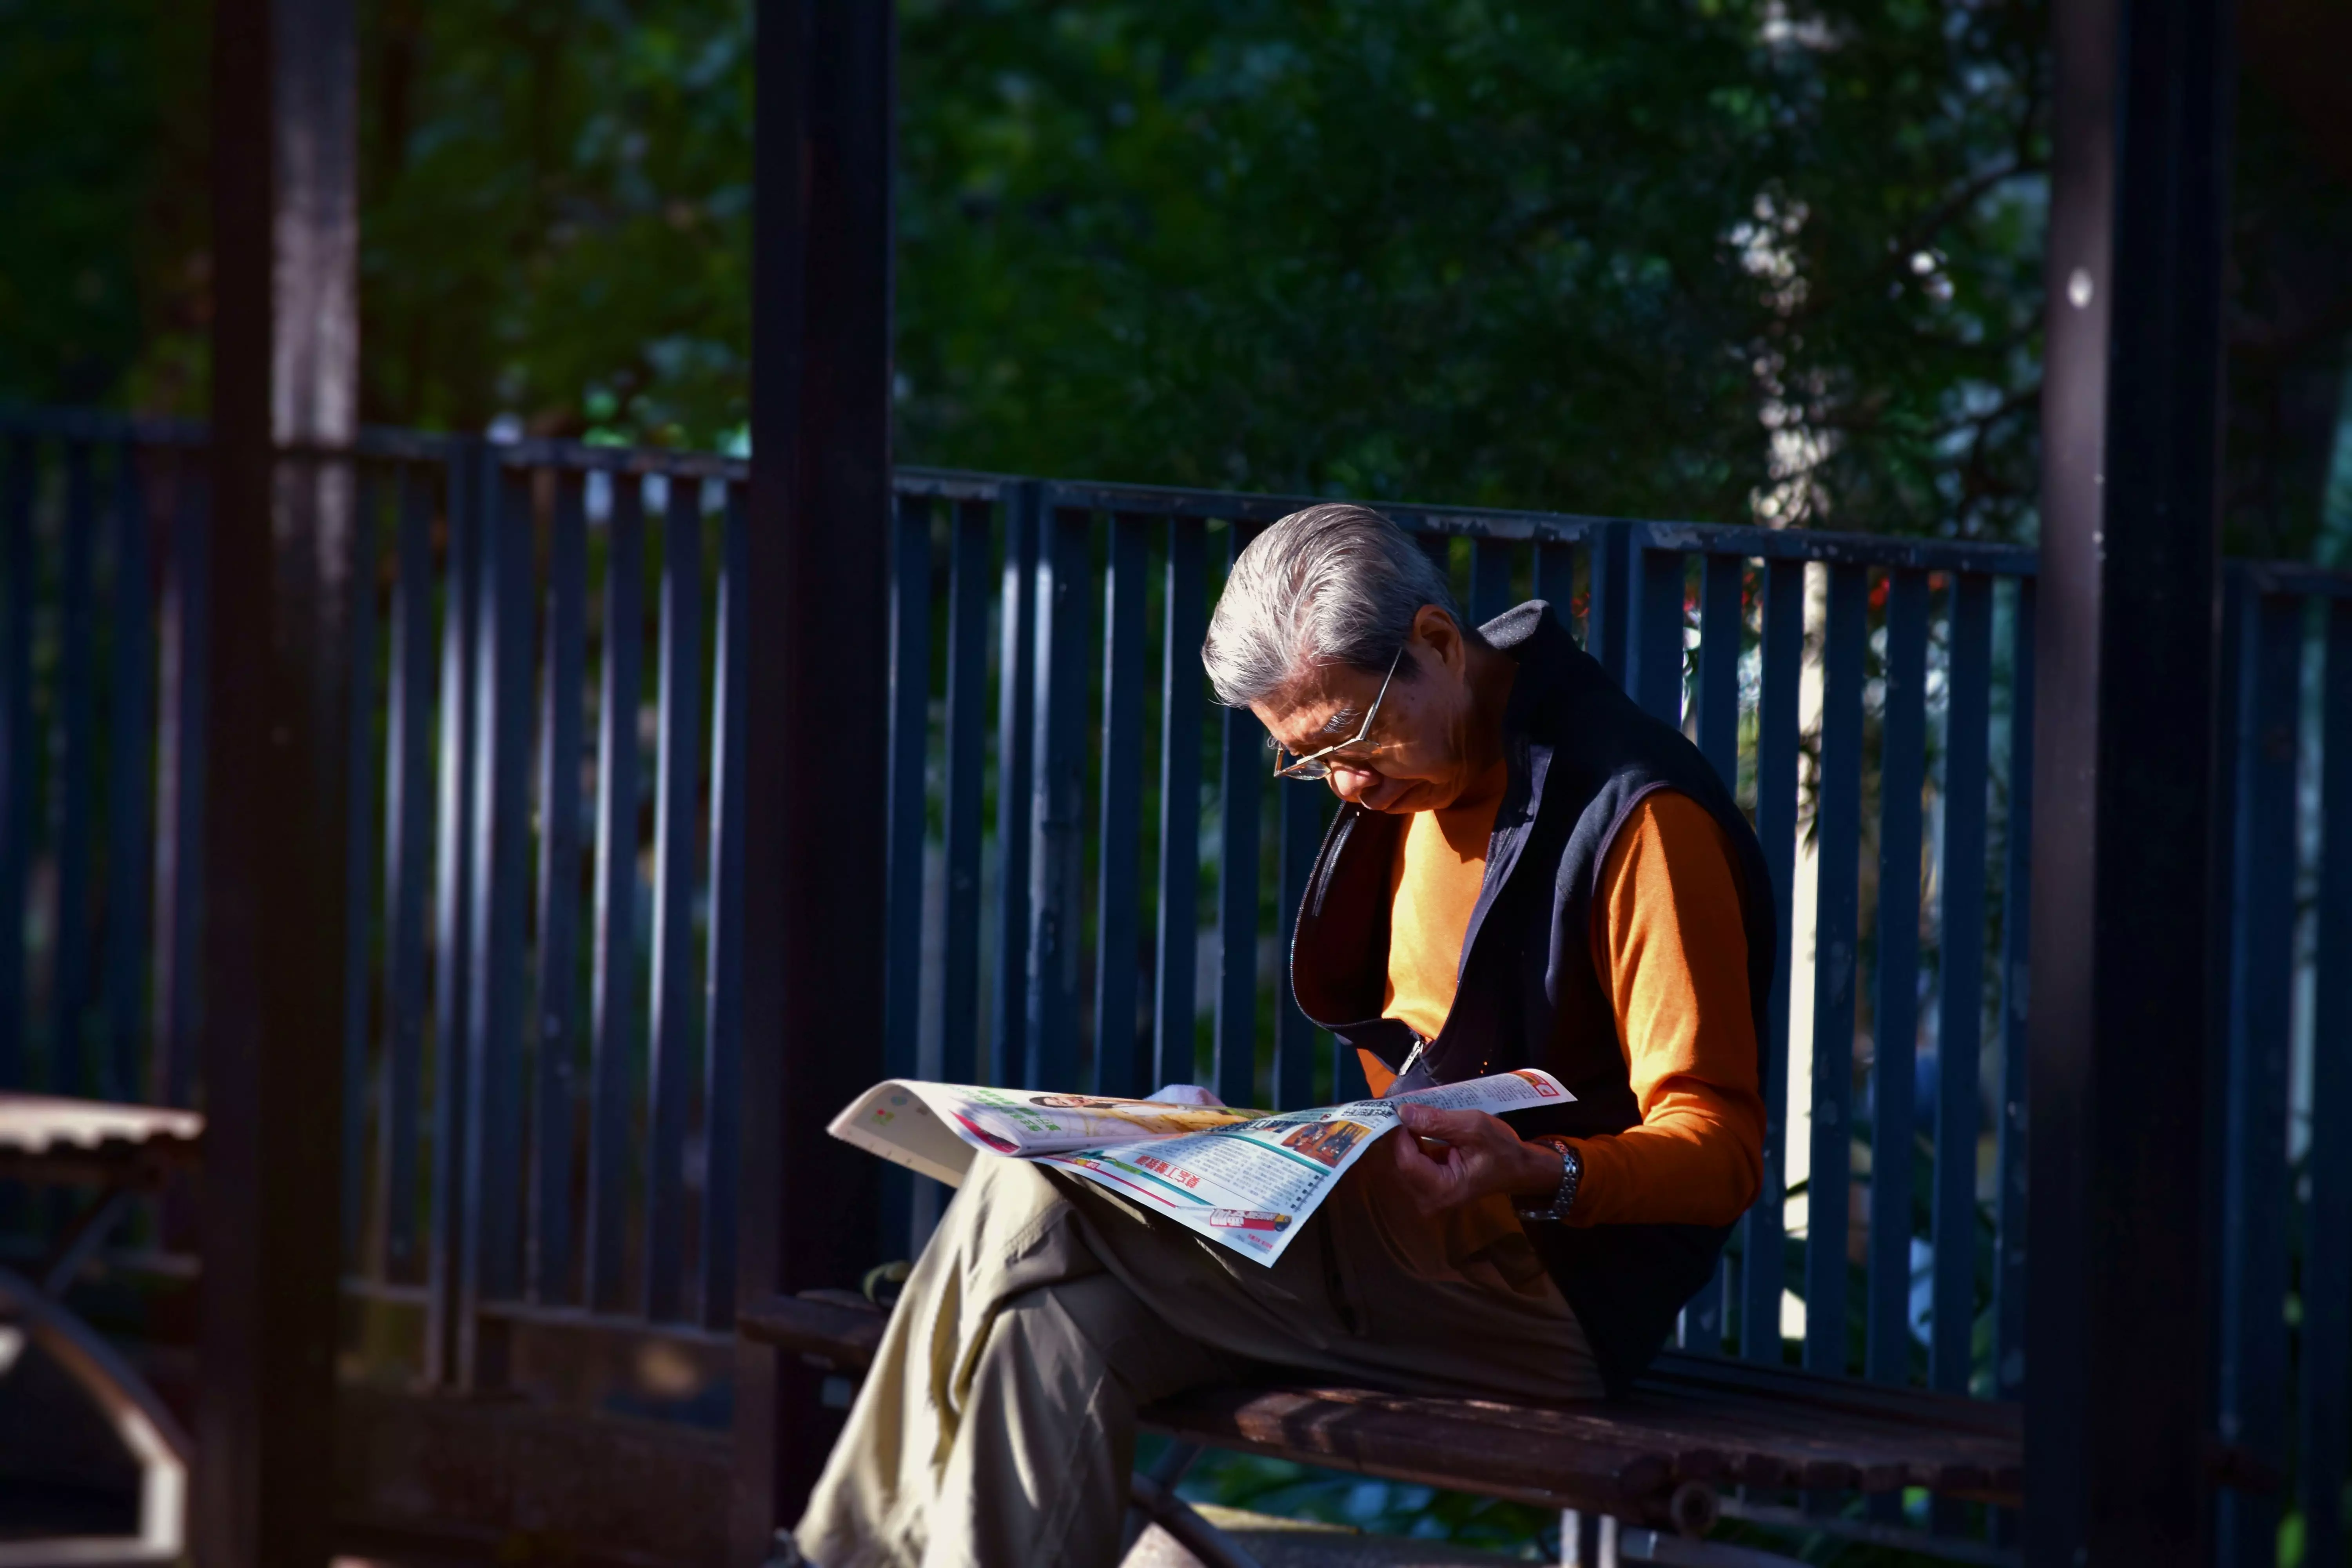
(1549, 664)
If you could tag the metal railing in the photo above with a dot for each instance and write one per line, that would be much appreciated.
(1091, 876)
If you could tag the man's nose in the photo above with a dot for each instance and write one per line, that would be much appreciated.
(1351, 784)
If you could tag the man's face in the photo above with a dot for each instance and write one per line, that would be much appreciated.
(1420, 754)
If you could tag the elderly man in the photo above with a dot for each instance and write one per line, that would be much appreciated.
(1526, 870)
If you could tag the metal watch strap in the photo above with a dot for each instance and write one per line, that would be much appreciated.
(1571, 1172)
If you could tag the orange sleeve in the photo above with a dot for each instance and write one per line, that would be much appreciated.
(1669, 940)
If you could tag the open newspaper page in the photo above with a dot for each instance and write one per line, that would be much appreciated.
(936, 1128)
(1243, 1178)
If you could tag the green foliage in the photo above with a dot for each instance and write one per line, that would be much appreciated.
(1518, 254)
(557, 214)
(102, 273)
(1705, 258)
(1648, 258)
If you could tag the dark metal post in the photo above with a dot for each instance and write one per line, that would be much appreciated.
(816, 662)
(2118, 1347)
(283, 90)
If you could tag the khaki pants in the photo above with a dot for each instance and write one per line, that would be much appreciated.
(997, 1426)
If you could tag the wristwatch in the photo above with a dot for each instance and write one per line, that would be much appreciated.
(1571, 1172)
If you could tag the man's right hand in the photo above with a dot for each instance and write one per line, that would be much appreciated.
(1473, 1154)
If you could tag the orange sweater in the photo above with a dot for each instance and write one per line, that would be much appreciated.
(1667, 937)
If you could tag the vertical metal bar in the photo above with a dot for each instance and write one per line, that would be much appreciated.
(1057, 820)
(77, 610)
(131, 732)
(1722, 628)
(1903, 754)
(909, 734)
(557, 982)
(1718, 699)
(408, 891)
(1301, 818)
(614, 986)
(1656, 681)
(1762, 1264)
(967, 743)
(1245, 767)
(2131, 408)
(909, 745)
(2253, 1265)
(453, 905)
(20, 753)
(1490, 579)
(359, 848)
(1608, 612)
(1554, 582)
(1959, 1029)
(669, 1074)
(1184, 621)
(2323, 1392)
(1718, 718)
(492, 1267)
(1837, 830)
(722, 1003)
(179, 788)
(1016, 694)
(2016, 937)
(2221, 992)
(1122, 1048)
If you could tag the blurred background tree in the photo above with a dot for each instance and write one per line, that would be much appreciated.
(1720, 259)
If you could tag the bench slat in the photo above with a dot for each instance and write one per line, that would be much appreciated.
(1435, 1445)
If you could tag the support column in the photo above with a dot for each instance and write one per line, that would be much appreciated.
(2123, 1051)
(283, 338)
(817, 664)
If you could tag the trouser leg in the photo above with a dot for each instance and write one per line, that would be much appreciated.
(1042, 1476)
(998, 1421)
(997, 1424)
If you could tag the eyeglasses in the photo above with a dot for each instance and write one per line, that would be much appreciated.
(1317, 765)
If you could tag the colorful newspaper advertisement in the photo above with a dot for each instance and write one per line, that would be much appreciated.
(1243, 1178)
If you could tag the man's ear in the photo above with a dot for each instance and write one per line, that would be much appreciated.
(1435, 629)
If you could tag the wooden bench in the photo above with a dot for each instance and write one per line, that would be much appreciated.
(1659, 1460)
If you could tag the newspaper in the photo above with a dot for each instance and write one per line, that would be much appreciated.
(1244, 1178)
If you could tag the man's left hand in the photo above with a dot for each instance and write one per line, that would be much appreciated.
(1471, 1154)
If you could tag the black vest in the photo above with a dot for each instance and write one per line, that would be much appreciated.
(1580, 756)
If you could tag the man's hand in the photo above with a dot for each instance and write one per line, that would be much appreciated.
(1471, 1155)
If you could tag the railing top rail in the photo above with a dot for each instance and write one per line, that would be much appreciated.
(952, 484)
(1241, 506)
(2292, 578)
(389, 443)
(92, 425)
(1845, 549)
(1565, 528)
(539, 452)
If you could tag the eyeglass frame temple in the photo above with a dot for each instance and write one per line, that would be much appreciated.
(1283, 769)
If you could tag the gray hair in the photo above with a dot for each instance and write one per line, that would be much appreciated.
(1332, 585)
